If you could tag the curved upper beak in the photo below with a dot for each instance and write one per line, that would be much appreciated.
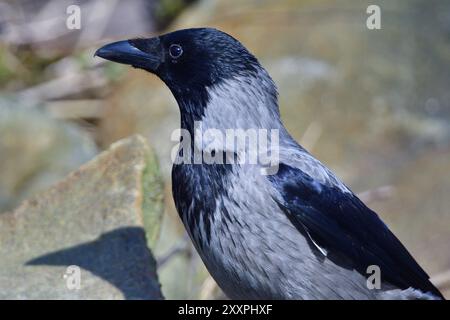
(127, 52)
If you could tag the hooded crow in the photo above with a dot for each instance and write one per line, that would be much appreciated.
(296, 232)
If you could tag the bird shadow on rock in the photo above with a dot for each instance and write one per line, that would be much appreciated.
(120, 257)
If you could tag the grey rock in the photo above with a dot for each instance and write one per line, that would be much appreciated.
(102, 218)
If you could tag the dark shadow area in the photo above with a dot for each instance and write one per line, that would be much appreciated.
(120, 257)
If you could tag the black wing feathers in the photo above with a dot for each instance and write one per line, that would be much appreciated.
(339, 222)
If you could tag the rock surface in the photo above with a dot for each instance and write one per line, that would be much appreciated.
(101, 218)
(36, 151)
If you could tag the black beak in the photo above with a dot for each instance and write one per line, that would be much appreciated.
(140, 53)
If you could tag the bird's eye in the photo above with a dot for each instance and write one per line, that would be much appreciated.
(175, 51)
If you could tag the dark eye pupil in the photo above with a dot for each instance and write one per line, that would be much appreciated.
(175, 51)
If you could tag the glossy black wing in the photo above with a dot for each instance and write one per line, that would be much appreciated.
(342, 224)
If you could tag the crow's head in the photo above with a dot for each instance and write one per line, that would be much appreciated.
(185, 59)
(203, 67)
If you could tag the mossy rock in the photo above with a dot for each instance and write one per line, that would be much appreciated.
(100, 219)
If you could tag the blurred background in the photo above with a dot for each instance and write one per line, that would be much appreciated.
(373, 105)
